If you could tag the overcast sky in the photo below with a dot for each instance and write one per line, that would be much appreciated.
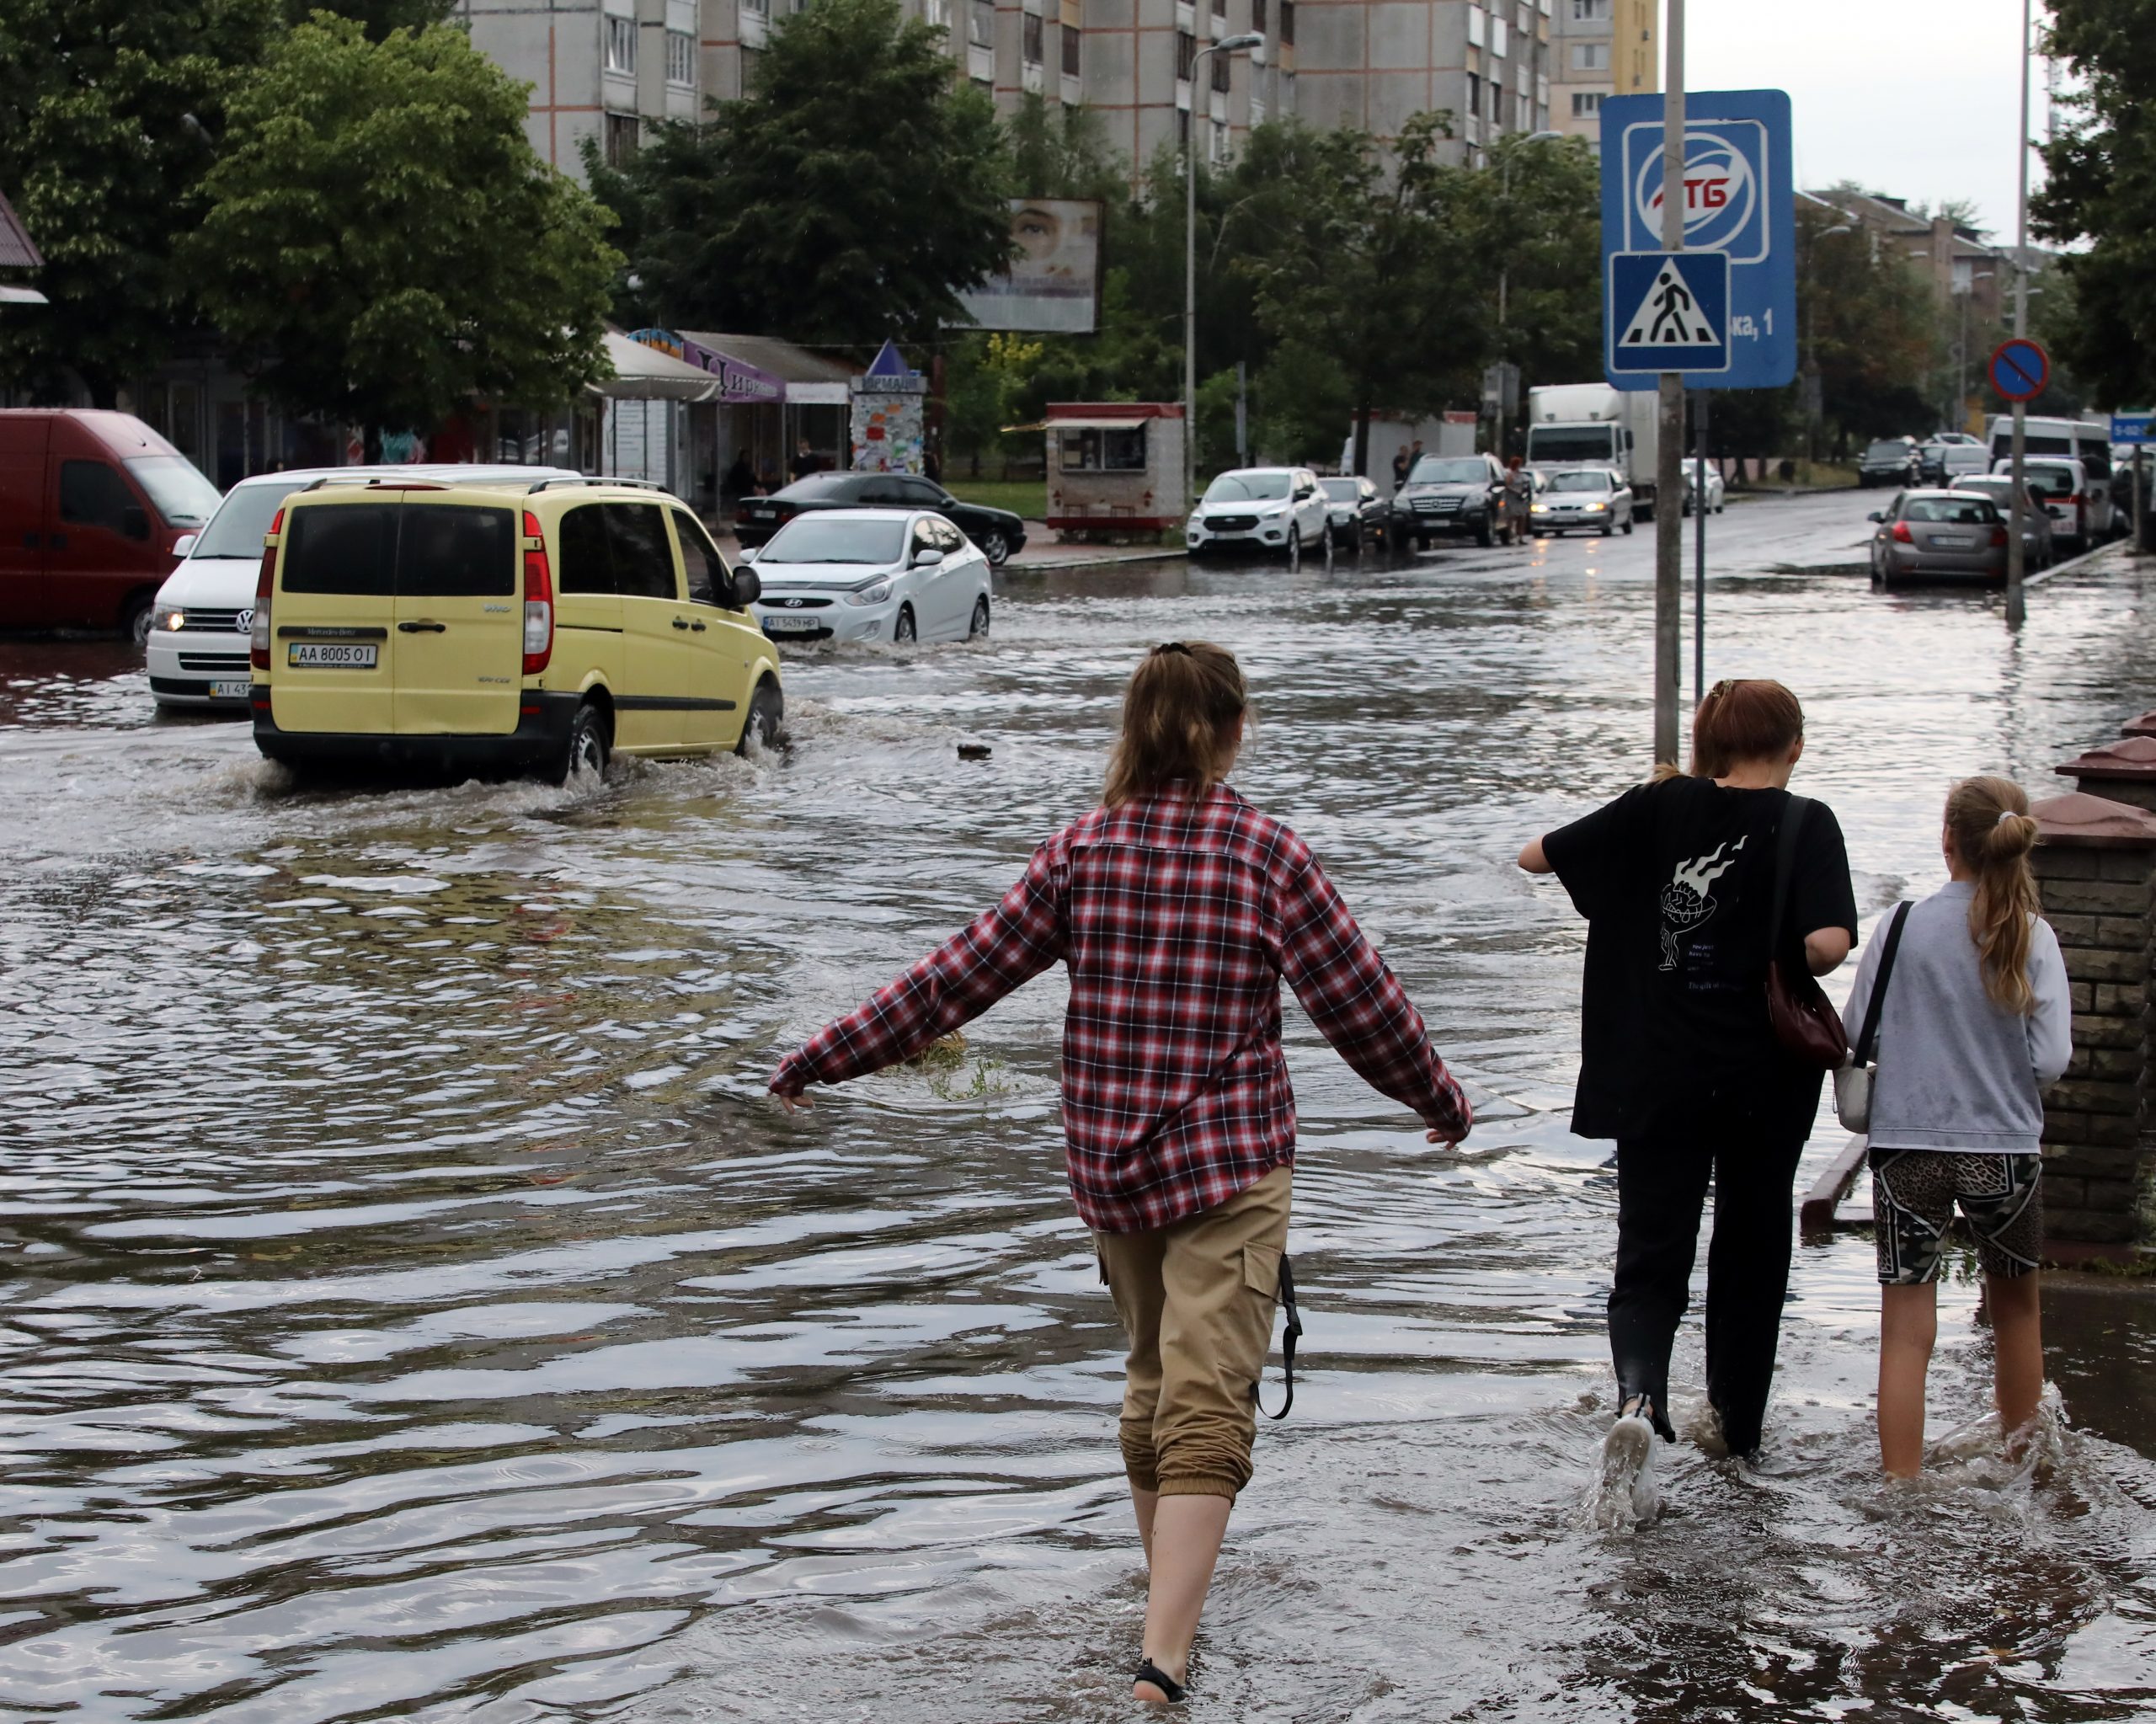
(1918, 98)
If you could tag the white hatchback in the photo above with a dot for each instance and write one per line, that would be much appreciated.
(1278, 510)
(872, 574)
(201, 625)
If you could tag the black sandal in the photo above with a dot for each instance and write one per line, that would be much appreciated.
(1148, 1671)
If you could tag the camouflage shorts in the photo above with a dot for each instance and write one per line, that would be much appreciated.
(1913, 1192)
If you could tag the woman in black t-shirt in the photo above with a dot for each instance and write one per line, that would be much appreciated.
(1679, 1061)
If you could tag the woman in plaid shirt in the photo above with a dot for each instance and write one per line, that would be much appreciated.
(1177, 908)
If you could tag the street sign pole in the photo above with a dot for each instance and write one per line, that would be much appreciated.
(1669, 446)
(2017, 602)
(1699, 400)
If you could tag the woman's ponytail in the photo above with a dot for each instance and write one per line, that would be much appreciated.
(1178, 718)
(1989, 823)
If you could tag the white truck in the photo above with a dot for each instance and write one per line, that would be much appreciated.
(1592, 425)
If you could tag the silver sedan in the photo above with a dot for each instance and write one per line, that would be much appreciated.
(1938, 535)
(1595, 497)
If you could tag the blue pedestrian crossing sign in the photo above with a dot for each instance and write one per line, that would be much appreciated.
(1668, 312)
(1738, 197)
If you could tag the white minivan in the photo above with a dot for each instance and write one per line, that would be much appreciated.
(203, 615)
(2079, 507)
(2088, 441)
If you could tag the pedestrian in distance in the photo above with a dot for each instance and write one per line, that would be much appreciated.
(1974, 1020)
(740, 480)
(1680, 881)
(1519, 497)
(1400, 465)
(1177, 908)
(805, 460)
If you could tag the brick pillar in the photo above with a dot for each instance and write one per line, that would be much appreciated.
(2096, 868)
(2123, 772)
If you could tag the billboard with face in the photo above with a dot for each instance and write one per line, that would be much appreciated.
(1053, 284)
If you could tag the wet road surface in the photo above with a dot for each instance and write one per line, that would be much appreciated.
(413, 1309)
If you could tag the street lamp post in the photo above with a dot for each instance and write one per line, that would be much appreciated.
(1231, 45)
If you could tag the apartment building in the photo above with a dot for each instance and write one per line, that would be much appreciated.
(1600, 48)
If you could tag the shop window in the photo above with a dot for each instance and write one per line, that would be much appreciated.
(1096, 451)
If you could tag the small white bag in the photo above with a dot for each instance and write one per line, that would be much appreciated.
(1854, 1081)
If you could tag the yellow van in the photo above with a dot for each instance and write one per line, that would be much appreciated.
(503, 626)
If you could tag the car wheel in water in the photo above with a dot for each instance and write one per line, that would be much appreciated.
(978, 626)
(1325, 539)
(766, 721)
(137, 623)
(903, 631)
(995, 548)
(588, 747)
(1421, 542)
(1628, 520)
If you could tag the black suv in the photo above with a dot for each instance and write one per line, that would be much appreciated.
(1000, 534)
(1451, 494)
(1891, 461)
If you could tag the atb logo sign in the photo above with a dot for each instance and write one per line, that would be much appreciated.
(1725, 172)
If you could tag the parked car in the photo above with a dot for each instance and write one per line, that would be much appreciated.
(1357, 509)
(1944, 458)
(1595, 497)
(1000, 533)
(1936, 534)
(1452, 493)
(205, 611)
(872, 574)
(1891, 461)
(528, 626)
(2038, 547)
(1276, 510)
(2081, 512)
(93, 508)
(1717, 490)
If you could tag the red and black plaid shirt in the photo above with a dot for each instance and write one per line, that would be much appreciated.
(1177, 921)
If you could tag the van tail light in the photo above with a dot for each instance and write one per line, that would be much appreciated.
(266, 582)
(1902, 535)
(1998, 538)
(538, 598)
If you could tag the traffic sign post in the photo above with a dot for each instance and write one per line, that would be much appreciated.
(2019, 369)
(1668, 312)
(2131, 427)
(1739, 204)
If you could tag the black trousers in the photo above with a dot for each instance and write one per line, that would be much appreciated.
(1662, 1184)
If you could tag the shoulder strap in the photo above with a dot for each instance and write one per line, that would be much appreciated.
(1288, 1336)
(1792, 827)
(1867, 1043)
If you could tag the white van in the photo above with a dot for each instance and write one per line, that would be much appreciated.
(2070, 497)
(2088, 441)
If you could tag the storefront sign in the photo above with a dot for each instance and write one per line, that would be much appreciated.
(738, 381)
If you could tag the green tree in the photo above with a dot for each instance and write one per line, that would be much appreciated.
(109, 111)
(853, 195)
(2099, 196)
(377, 17)
(381, 244)
(1870, 325)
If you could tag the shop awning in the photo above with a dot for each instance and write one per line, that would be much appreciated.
(643, 373)
(1063, 424)
(806, 379)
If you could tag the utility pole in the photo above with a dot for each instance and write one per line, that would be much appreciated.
(2017, 601)
(1669, 449)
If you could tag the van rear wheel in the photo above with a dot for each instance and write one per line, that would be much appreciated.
(588, 746)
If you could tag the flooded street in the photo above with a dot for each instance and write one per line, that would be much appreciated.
(414, 1308)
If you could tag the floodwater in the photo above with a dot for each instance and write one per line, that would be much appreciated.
(414, 1308)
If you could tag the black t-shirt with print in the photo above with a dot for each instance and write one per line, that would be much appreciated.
(1677, 880)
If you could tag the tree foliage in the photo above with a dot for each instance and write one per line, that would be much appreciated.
(850, 196)
(110, 112)
(2099, 196)
(381, 243)
(1871, 324)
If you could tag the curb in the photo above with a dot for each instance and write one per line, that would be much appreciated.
(1021, 565)
(2073, 563)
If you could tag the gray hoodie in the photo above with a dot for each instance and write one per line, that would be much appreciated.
(1957, 1070)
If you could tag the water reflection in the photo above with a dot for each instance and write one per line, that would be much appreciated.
(412, 1311)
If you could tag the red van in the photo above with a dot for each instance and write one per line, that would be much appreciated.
(92, 506)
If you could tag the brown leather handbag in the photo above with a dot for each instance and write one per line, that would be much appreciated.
(1804, 1019)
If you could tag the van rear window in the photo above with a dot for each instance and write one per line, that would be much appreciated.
(381, 550)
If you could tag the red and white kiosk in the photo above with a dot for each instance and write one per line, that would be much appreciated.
(1114, 469)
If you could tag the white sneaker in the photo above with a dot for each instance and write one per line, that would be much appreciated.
(1626, 1494)
(1704, 1428)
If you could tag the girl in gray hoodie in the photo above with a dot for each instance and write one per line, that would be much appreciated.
(1975, 1022)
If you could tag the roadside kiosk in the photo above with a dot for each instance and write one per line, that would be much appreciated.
(1114, 469)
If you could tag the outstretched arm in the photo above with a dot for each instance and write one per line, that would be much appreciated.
(1532, 858)
(1002, 949)
(1359, 1006)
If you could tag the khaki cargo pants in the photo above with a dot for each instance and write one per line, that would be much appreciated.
(1196, 1301)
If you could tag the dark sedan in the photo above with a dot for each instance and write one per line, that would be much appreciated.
(999, 533)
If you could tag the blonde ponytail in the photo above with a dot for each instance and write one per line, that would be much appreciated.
(1988, 820)
(1178, 718)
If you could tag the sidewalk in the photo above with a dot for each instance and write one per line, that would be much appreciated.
(1043, 555)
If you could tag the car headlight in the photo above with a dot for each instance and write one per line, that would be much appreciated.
(168, 617)
(1598, 508)
(870, 595)
(1542, 508)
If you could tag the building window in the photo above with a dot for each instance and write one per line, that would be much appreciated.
(1288, 23)
(1474, 96)
(1477, 30)
(1590, 11)
(1590, 56)
(1216, 147)
(1221, 63)
(1186, 55)
(1258, 16)
(621, 45)
(762, 8)
(1586, 104)
(620, 139)
(1497, 37)
(935, 13)
(1071, 37)
(981, 25)
(1182, 128)
(1031, 42)
(681, 59)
